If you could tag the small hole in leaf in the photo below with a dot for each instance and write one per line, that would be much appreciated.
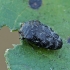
(35, 4)
(7, 38)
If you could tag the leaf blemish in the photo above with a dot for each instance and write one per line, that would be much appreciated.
(35, 4)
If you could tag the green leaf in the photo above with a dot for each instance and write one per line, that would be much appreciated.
(54, 13)
(13, 12)
(24, 57)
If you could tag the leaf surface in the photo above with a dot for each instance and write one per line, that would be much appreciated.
(54, 13)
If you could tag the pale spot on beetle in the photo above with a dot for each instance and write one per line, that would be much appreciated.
(36, 41)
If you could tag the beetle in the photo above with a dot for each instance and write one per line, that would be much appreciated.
(41, 35)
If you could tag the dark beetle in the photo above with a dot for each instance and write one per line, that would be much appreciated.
(40, 35)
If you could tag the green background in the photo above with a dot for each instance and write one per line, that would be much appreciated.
(52, 13)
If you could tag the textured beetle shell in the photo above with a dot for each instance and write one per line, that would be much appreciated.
(41, 35)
